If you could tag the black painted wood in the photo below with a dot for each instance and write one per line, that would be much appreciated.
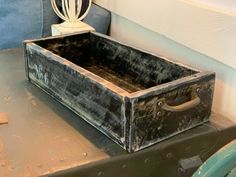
(122, 91)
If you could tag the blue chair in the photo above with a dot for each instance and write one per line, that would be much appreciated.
(24, 19)
(99, 18)
(29, 19)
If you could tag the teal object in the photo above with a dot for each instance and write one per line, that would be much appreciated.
(232, 173)
(220, 164)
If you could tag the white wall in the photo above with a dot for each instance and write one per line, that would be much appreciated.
(207, 26)
(136, 35)
(225, 91)
(229, 5)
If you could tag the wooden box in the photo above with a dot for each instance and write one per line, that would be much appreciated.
(134, 97)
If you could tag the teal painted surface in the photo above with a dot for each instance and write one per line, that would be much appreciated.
(232, 173)
(220, 164)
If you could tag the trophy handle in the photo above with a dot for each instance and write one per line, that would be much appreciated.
(57, 11)
(86, 12)
(70, 13)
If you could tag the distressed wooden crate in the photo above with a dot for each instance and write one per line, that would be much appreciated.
(134, 97)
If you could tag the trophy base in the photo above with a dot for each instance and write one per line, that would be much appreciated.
(67, 28)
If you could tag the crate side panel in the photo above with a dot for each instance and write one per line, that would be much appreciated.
(91, 101)
(75, 48)
(151, 123)
(145, 69)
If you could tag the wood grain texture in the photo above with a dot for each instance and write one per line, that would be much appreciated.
(118, 89)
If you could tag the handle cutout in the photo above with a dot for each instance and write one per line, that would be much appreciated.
(193, 102)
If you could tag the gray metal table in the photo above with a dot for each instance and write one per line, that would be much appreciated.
(45, 137)
(42, 135)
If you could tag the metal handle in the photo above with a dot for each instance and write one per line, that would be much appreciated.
(183, 107)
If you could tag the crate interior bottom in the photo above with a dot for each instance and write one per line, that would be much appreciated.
(126, 82)
(128, 68)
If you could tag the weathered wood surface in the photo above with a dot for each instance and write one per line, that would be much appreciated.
(119, 89)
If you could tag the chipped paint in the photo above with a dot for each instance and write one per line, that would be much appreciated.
(118, 89)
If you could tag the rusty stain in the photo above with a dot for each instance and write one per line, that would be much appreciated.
(8, 98)
(62, 160)
(3, 164)
(33, 102)
(39, 165)
(85, 154)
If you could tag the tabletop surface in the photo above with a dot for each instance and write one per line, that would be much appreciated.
(43, 136)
